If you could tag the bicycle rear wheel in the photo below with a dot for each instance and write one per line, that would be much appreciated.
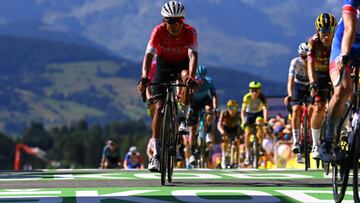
(165, 143)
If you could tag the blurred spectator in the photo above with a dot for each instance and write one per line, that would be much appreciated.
(278, 124)
(283, 143)
(111, 155)
(133, 159)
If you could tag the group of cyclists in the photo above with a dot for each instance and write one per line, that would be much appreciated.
(313, 75)
(172, 54)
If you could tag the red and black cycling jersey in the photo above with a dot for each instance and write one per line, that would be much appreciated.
(172, 49)
(319, 54)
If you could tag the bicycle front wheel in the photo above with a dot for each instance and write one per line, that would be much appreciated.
(356, 157)
(173, 141)
(165, 142)
(340, 172)
(255, 151)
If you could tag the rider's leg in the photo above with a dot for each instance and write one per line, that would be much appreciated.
(316, 124)
(237, 141)
(295, 123)
(192, 136)
(247, 146)
(224, 147)
(154, 163)
(193, 121)
(335, 110)
(156, 126)
(187, 150)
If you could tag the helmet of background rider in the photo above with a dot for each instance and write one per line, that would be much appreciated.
(254, 85)
(173, 9)
(232, 104)
(325, 22)
(303, 48)
(201, 71)
(133, 149)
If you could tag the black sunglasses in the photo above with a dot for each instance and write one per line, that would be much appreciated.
(173, 20)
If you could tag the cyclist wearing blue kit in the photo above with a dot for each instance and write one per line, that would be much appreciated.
(204, 95)
(345, 46)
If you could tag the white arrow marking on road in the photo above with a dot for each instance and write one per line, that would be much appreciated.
(304, 197)
(92, 196)
(266, 176)
(255, 196)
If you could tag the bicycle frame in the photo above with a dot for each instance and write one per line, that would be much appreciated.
(168, 134)
(305, 136)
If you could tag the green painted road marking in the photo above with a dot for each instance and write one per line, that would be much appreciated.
(178, 175)
(171, 194)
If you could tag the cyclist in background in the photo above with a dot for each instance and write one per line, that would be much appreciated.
(318, 72)
(204, 96)
(254, 105)
(298, 90)
(111, 155)
(229, 125)
(345, 46)
(175, 45)
(133, 159)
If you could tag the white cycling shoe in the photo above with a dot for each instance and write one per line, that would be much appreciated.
(183, 128)
(315, 152)
(154, 164)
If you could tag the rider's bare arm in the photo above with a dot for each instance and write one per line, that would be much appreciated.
(219, 124)
(311, 61)
(215, 101)
(243, 112)
(193, 63)
(290, 85)
(265, 110)
(146, 64)
(349, 32)
(311, 70)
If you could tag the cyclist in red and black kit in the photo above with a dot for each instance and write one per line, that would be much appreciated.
(318, 72)
(175, 45)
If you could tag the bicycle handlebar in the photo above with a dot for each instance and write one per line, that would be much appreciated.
(165, 84)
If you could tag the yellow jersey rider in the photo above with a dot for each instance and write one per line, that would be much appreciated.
(254, 105)
(318, 72)
(229, 125)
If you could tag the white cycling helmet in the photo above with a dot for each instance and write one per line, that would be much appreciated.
(303, 48)
(173, 9)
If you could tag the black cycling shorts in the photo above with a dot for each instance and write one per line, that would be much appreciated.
(196, 107)
(300, 93)
(324, 81)
(164, 72)
(251, 117)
